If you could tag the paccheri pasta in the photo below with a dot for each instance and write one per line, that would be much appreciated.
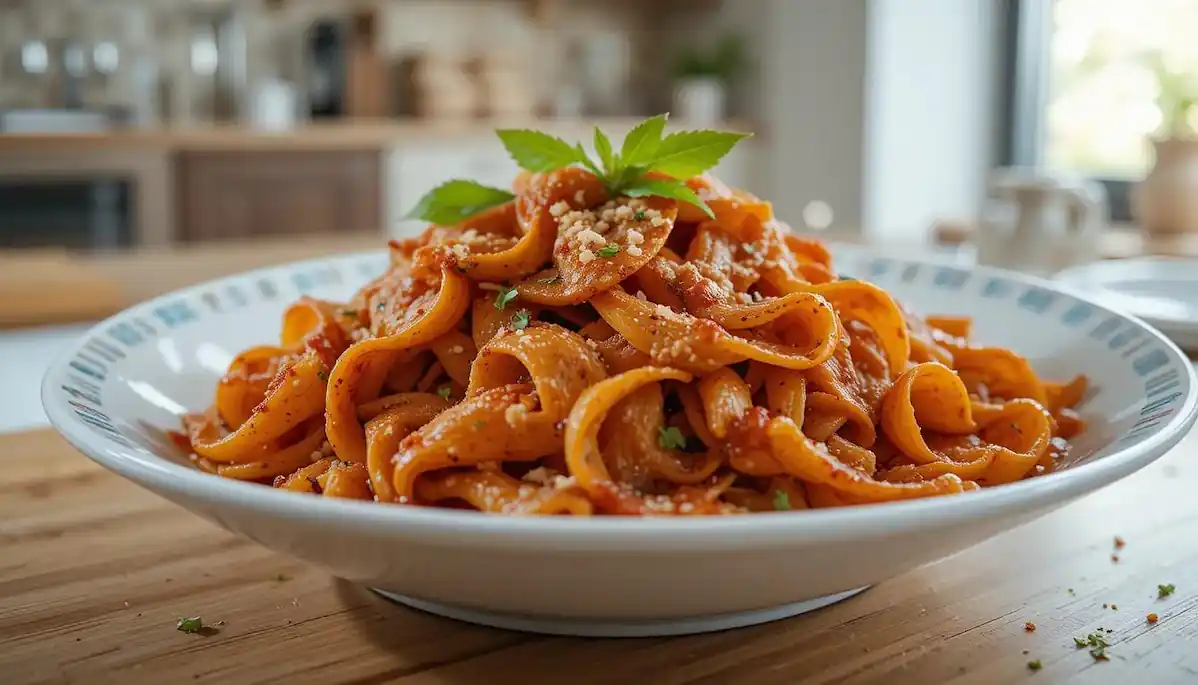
(630, 337)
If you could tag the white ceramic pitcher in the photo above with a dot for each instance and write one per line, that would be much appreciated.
(1039, 223)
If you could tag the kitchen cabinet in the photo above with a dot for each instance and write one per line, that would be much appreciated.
(233, 194)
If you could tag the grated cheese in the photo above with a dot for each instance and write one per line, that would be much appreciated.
(514, 413)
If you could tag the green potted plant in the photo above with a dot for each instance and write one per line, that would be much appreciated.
(701, 78)
(1166, 202)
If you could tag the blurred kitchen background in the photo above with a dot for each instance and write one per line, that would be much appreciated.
(184, 123)
(150, 123)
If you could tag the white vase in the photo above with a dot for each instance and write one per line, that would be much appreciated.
(699, 101)
(1166, 202)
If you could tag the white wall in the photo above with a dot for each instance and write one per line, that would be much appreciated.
(931, 111)
(884, 109)
(813, 84)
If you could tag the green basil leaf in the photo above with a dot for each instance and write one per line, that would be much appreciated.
(689, 153)
(586, 161)
(675, 190)
(455, 201)
(641, 144)
(603, 148)
(540, 152)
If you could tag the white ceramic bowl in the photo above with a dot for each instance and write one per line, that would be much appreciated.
(131, 376)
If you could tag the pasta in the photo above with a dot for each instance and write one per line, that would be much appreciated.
(567, 352)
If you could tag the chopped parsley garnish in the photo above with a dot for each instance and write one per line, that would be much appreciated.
(781, 501)
(190, 625)
(749, 248)
(549, 280)
(1035, 665)
(670, 438)
(520, 319)
(444, 391)
(1163, 591)
(505, 296)
(322, 375)
(608, 250)
(640, 215)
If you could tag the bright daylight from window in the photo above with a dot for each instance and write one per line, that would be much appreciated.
(1120, 71)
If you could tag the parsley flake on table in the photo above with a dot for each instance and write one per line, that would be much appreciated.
(670, 438)
(1163, 591)
(504, 297)
(190, 625)
(1097, 643)
(1035, 665)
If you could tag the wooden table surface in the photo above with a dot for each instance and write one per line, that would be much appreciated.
(95, 572)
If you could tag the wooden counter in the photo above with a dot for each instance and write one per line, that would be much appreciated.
(363, 134)
(200, 183)
(96, 572)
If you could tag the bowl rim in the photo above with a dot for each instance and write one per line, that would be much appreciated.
(648, 534)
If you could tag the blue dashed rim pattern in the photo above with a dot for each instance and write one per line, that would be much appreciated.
(73, 395)
(110, 343)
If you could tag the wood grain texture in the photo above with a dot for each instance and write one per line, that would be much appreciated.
(230, 195)
(94, 573)
(41, 286)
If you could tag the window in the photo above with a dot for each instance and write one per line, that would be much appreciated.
(1092, 80)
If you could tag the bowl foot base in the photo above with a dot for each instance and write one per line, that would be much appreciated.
(618, 628)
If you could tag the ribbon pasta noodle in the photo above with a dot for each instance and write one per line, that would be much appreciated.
(689, 366)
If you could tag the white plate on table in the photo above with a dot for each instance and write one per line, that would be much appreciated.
(131, 376)
(1162, 292)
